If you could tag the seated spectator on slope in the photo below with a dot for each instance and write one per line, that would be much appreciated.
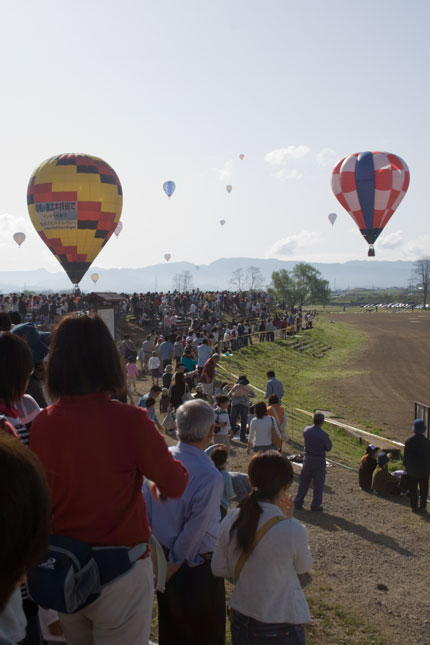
(366, 468)
(112, 446)
(383, 482)
(25, 513)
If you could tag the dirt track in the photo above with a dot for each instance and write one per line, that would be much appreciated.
(394, 370)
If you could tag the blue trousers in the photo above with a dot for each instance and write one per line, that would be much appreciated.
(239, 410)
(248, 631)
(313, 471)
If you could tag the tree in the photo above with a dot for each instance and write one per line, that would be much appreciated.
(254, 279)
(421, 274)
(301, 286)
(183, 281)
(237, 279)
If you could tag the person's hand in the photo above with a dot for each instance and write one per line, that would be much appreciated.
(56, 628)
(171, 570)
(156, 493)
(286, 505)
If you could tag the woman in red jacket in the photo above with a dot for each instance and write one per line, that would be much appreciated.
(96, 452)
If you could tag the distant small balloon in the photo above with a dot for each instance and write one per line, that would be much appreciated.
(332, 217)
(169, 188)
(119, 228)
(19, 238)
(222, 222)
(229, 188)
(167, 256)
(94, 277)
(242, 157)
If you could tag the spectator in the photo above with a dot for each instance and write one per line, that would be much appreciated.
(204, 352)
(268, 604)
(383, 482)
(208, 375)
(191, 611)
(240, 398)
(154, 392)
(167, 376)
(179, 392)
(146, 353)
(25, 511)
(219, 456)
(366, 468)
(260, 430)
(154, 367)
(416, 459)
(166, 352)
(277, 411)
(114, 446)
(273, 386)
(132, 374)
(317, 443)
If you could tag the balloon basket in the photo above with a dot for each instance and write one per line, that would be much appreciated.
(371, 251)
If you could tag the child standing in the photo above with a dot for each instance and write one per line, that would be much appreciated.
(154, 367)
(219, 456)
(164, 401)
(132, 373)
(222, 421)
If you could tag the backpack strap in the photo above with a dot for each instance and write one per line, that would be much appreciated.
(260, 534)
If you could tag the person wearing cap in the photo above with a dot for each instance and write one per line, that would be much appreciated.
(366, 468)
(416, 459)
(383, 482)
(316, 444)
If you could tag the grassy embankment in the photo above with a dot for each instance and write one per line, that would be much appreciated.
(308, 365)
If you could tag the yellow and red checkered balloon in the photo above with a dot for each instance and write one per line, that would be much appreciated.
(75, 203)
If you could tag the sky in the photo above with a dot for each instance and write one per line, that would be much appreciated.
(177, 89)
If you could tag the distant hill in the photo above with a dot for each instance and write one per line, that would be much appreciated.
(216, 275)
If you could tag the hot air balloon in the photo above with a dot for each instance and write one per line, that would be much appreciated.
(222, 222)
(229, 188)
(94, 277)
(332, 217)
(167, 256)
(169, 188)
(119, 228)
(75, 203)
(370, 186)
(242, 157)
(19, 238)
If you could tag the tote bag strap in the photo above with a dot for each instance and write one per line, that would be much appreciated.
(260, 534)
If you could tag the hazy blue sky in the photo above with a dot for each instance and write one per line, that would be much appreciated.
(177, 89)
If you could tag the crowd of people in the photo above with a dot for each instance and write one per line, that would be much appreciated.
(101, 513)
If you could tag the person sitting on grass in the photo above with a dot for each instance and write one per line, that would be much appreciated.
(366, 468)
(383, 482)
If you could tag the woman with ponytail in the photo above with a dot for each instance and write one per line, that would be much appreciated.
(263, 549)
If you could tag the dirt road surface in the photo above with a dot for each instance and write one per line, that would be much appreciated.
(394, 370)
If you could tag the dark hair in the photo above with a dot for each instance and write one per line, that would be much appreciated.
(24, 513)
(16, 365)
(5, 321)
(150, 401)
(270, 374)
(273, 399)
(221, 398)
(179, 378)
(219, 456)
(260, 409)
(83, 358)
(15, 317)
(268, 473)
(318, 418)
(155, 388)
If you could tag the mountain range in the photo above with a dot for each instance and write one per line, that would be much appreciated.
(216, 275)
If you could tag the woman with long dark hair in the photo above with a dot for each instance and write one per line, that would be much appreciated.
(96, 452)
(179, 391)
(262, 549)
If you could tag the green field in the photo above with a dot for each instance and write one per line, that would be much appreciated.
(308, 365)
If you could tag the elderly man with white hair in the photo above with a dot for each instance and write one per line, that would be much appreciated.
(191, 611)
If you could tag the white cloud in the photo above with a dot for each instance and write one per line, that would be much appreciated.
(289, 245)
(417, 248)
(225, 173)
(281, 155)
(391, 241)
(283, 173)
(326, 157)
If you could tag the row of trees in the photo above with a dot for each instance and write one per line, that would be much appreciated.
(421, 275)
